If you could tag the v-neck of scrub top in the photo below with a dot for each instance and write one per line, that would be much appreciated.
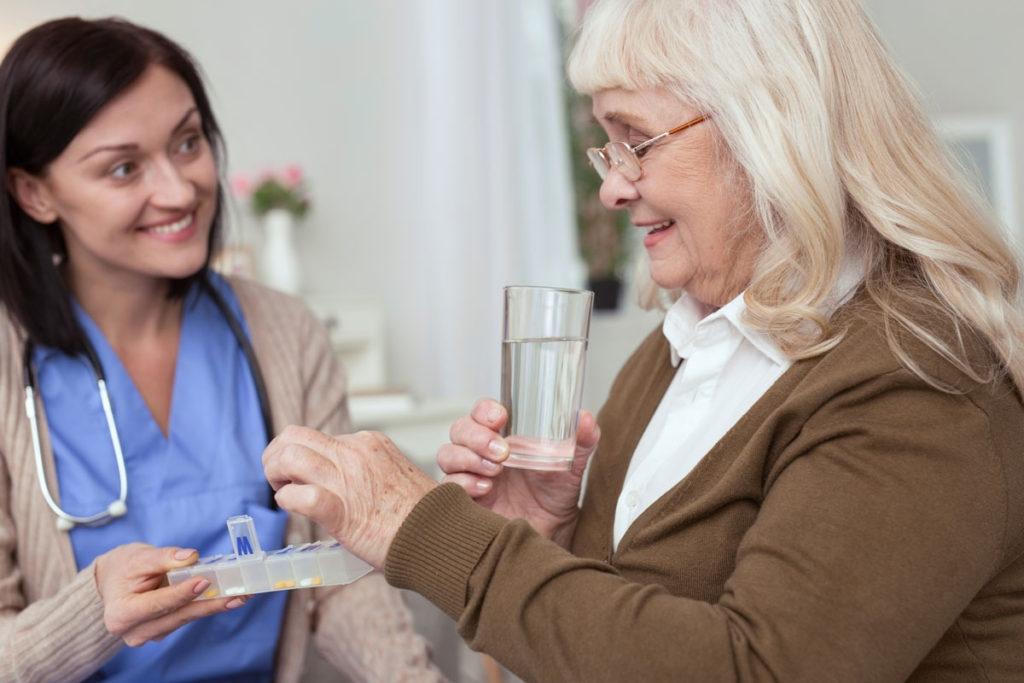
(181, 488)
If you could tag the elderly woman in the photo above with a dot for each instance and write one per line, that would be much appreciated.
(815, 470)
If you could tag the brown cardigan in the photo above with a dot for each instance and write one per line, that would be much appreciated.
(855, 525)
(51, 617)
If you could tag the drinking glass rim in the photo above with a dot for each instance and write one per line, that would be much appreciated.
(567, 290)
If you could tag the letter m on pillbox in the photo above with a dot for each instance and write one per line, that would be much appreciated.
(244, 540)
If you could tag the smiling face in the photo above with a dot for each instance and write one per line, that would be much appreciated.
(690, 202)
(135, 191)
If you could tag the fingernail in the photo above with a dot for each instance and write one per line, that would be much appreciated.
(201, 586)
(491, 467)
(235, 602)
(183, 553)
(499, 449)
(483, 485)
(494, 414)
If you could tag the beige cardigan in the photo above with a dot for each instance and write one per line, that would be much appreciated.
(855, 525)
(51, 617)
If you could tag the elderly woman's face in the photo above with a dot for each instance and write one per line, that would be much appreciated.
(690, 202)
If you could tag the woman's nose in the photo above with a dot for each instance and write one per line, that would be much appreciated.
(171, 189)
(617, 191)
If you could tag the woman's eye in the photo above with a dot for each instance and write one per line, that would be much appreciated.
(122, 171)
(189, 144)
(643, 148)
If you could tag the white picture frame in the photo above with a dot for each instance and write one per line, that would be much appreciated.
(985, 145)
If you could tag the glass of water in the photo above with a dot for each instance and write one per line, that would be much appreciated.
(543, 352)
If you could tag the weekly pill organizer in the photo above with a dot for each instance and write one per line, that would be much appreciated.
(252, 570)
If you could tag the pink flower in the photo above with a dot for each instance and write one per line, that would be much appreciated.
(241, 186)
(291, 175)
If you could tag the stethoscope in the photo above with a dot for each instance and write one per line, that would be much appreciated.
(119, 507)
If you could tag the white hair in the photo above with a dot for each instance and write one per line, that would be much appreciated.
(836, 152)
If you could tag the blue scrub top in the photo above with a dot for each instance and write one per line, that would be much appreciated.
(181, 488)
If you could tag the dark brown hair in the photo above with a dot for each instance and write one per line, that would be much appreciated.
(53, 81)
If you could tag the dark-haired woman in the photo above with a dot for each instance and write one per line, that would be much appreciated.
(152, 386)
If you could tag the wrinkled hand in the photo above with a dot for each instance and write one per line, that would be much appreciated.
(547, 500)
(135, 607)
(359, 487)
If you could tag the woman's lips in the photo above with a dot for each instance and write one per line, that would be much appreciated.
(176, 231)
(656, 232)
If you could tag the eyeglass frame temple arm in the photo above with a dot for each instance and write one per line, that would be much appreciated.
(678, 129)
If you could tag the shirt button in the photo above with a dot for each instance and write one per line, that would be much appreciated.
(632, 499)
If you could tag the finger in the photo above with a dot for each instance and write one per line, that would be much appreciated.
(296, 463)
(471, 484)
(160, 627)
(587, 433)
(147, 561)
(137, 608)
(489, 413)
(478, 438)
(300, 436)
(453, 459)
(313, 502)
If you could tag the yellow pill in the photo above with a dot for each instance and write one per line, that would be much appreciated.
(284, 584)
(212, 593)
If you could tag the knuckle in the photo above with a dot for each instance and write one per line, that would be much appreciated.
(445, 454)
(465, 428)
(455, 430)
(481, 406)
(290, 455)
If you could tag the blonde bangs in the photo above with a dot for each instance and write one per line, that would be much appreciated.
(631, 46)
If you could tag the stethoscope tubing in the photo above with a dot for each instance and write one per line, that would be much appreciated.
(117, 508)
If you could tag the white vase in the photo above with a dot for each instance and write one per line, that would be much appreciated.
(279, 262)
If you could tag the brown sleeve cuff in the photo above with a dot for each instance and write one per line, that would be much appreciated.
(439, 545)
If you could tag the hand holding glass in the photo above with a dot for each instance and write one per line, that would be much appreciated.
(542, 360)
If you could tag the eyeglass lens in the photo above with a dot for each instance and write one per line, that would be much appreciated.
(615, 155)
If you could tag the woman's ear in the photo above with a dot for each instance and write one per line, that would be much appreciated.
(32, 195)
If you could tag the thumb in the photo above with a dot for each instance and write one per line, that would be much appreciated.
(587, 436)
(312, 501)
(587, 433)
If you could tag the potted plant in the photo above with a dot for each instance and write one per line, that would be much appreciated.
(279, 199)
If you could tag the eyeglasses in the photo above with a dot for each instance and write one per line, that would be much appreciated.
(626, 159)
